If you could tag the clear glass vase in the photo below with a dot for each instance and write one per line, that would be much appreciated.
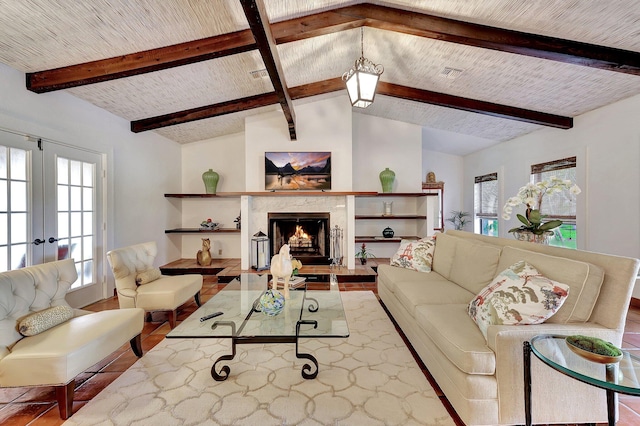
(533, 238)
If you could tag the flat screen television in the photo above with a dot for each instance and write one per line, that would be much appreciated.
(297, 171)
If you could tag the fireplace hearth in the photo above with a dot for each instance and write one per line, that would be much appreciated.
(306, 233)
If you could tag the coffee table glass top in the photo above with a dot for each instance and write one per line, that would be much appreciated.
(553, 350)
(236, 301)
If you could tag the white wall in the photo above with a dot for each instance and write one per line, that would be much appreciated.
(606, 143)
(320, 126)
(448, 169)
(140, 167)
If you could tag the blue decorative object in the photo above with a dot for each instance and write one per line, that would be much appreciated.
(272, 302)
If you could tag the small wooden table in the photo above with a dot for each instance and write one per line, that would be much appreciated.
(552, 350)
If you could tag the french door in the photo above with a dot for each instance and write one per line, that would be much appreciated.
(50, 209)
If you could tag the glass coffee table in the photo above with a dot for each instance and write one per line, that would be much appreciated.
(307, 314)
(552, 350)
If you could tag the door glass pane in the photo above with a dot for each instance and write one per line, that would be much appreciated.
(4, 258)
(3, 162)
(18, 164)
(18, 227)
(76, 218)
(18, 256)
(19, 196)
(4, 194)
(63, 198)
(4, 231)
(63, 249)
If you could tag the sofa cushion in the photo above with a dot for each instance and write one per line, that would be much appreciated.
(519, 295)
(457, 336)
(474, 265)
(444, 254)
(43, 320)
(436, 290)
(415, 254)
(168, 292)
(584, 280)
(148, 276)
(389, 275)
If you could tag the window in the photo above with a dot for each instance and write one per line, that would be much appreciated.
(561, 205)
(14, 207)
(486, 204)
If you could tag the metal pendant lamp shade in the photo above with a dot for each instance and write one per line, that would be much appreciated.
(362, 80)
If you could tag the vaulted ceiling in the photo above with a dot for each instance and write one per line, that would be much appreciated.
(491, 69)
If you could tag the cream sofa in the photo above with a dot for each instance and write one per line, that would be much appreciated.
(56, 356)
(483, 379)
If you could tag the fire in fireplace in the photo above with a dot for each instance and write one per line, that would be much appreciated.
(306, 233)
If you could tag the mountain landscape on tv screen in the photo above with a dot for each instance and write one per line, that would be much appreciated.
(297, 171)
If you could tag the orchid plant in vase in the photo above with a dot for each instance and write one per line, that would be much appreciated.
(531, 195)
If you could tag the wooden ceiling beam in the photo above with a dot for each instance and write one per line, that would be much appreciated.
(336, 84)
(256, 14)
(141, 62)
(237, 105)
(473, 105)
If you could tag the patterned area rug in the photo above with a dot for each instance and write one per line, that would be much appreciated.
(368, 379)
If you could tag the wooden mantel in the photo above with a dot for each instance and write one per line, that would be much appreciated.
(301, 194)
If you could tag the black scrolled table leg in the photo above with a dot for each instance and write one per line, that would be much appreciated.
(526, 350)
(612, 377)
(225, 370)
(307, 367)
(314, 305)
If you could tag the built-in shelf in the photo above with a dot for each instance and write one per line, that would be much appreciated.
(278, 194)
(363, 239)
(393, 216)
(394, 194)
(201, 231)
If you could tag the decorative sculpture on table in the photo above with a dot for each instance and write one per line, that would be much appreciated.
(204, 256)
(281, 267)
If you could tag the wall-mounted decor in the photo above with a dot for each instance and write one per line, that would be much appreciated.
(304, 171)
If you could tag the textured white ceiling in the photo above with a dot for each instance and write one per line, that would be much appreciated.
(37, 35)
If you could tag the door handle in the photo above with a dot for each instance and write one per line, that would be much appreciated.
(38, 241)
(52, 240)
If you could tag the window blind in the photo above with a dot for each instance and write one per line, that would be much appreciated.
(561, 205)
(486, 195)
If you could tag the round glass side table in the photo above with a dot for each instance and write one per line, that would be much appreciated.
(552, 350)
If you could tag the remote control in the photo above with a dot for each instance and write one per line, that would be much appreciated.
(206, 317)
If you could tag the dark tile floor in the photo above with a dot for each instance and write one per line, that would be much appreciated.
(37, 406)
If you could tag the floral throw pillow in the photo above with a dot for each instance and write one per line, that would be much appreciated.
(518, 295)
(415, 254)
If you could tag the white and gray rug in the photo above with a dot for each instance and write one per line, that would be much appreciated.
(368, 379)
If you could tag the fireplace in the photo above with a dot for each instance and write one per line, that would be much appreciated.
(306, 233)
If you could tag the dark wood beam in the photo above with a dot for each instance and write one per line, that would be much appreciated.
(472, 105)
(256, 14)
(236, 105)
(450, 30)
(141, 62)
(385, 18)
(200, 113)
(336, 84)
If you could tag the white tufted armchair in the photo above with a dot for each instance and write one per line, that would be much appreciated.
(55, 356)
(165, 293)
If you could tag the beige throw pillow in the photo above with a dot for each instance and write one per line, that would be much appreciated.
(148, 276)
(43, 320)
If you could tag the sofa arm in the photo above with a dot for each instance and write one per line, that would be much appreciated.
(507, 344)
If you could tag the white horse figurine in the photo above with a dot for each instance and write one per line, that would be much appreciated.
(281, 267)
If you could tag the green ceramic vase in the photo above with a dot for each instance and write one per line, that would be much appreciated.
(210, 179)
(386, 179)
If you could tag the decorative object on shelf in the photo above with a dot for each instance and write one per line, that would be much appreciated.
(387, 232)
(209, 225)
(238, 221)
(531, 195)
(296, 265)
(594, 349)
(388, 208)
(204, 256)
(431, 177)
(387, 177)
(335, 246)
(281, 267)
(260, 251)
(362, 79)
(459, 219)
(363, 254)
(272, 302)
(210, 179)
